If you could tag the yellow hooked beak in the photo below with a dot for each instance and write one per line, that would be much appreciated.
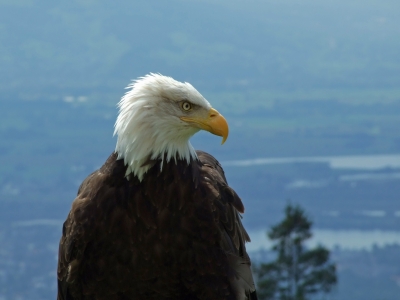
(214, 123)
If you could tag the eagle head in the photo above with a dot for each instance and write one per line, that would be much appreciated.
(156, 119)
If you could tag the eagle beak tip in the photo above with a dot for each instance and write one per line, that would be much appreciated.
(224, 140)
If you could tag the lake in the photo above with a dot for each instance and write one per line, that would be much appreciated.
(345, 239)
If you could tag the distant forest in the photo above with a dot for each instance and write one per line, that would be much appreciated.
(49, 46)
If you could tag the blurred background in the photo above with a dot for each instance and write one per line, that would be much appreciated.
(311, 90)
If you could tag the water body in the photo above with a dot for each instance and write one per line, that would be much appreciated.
(360, 162)
(345, 239)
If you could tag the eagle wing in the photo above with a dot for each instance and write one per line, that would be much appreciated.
(228, 205)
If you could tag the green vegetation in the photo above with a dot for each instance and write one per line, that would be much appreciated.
(279, 46)
(298, 272)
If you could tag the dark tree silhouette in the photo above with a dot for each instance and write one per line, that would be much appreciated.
(298, 272)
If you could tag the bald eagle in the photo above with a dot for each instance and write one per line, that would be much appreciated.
(158, 219)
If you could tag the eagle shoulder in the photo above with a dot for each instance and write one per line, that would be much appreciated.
(233, 235)
(82, 225)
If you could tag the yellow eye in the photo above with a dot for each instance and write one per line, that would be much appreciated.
(186, 106)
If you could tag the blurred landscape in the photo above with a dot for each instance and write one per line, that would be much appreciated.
(311, 92)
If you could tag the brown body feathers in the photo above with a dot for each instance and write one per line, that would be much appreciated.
(177, 234)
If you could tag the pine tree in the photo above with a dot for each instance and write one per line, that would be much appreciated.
(298, 272)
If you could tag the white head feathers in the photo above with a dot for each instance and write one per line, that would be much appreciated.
(148, 125)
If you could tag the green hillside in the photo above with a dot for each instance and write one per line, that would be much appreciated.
(247, 45)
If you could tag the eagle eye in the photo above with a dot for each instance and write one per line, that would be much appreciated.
(186, 105)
